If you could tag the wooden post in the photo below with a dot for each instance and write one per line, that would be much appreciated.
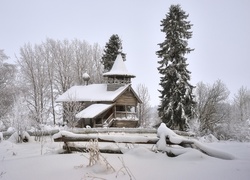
(115, 111)
(66, 144)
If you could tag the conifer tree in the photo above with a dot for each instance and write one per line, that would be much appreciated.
(177, 104)
(112, 49)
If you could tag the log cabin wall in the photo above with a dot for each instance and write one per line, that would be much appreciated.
(125, 123)
(127, 98)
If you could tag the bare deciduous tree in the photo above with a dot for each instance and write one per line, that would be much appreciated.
(242, 104)
(70, 109)
(52, 67)
(144, 107)
(238, 126)
(34, 73)
(211, 108)
(19, 118)
(7, 90)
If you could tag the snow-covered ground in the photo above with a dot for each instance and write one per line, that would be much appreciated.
(40, 161)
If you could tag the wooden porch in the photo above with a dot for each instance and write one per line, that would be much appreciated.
(112, 117)
(119, 119)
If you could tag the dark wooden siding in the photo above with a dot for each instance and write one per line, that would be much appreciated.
(125, 123)
(127, 98)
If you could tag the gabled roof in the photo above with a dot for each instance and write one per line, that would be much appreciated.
(92, 92)
(118, 68)
(93, 110)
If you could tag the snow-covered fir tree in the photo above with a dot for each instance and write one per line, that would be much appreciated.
(177, 104)
(112, 49)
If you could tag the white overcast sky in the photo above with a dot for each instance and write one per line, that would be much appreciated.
(221, 33)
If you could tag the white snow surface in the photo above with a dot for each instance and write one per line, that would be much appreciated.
(92, 92)
(25, 161)
(93, 110)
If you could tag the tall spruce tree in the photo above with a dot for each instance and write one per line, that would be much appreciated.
(112, 49)
(177, 104)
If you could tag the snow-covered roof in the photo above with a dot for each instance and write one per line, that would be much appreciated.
(93, 110)
(92, 92)
(118, 68)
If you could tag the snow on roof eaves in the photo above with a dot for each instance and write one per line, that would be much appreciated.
(118, 73)
(93, 92)
(93, 110)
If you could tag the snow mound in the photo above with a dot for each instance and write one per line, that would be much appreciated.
(11, 130)
(25, 137)
(139, 152)
(213, 152)
(208, 139)
(100, 168)
(192, 155)
(164, 132)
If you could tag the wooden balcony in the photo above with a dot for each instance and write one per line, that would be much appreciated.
(123, 115)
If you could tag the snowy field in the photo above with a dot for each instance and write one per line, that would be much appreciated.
(41, 161)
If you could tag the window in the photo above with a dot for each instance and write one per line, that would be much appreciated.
(120, 108)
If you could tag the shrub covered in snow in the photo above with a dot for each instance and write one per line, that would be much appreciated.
(208, 139)
(18, 138)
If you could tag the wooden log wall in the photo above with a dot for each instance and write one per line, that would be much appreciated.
(127, 98)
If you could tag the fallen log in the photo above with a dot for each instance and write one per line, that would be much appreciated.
(7, 134)
(163, 132)
(62, 137)
(113, 130)
(125, 130)
(165, 137)
(43, 132)
(65, 136)
(69, 147)
(68, 137)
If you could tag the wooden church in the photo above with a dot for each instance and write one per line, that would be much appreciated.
(112, 104)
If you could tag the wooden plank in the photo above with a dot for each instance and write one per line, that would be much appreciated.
(125, 123)
(66, 139)
(131, 139)
(127, 98)
(69, 148)
(114, 130)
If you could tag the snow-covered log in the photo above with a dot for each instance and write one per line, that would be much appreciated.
(212, 152)
(124, 130)
(165, 138)
(113, 130)
(65, 136)
(164, 132)
(69, 137)
(43, 132)
(74, 147)
(7, 134)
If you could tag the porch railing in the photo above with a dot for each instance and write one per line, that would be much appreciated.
(126, 115)
(109, 120)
